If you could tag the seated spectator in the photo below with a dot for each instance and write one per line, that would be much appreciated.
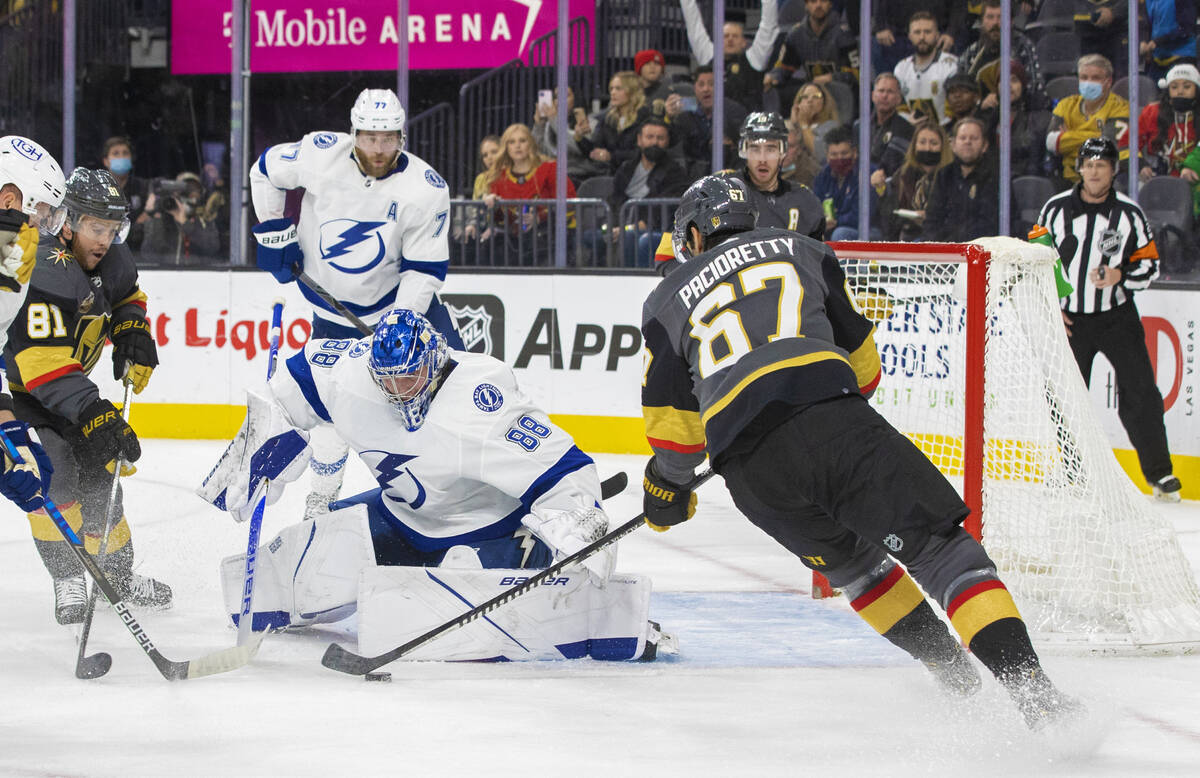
(545, 131)
(652, 174)
(814, 113)
(1094, 112)
(614, 140)
(983, 58)
(890, 131)
(820, 48)
(216, 200)
(892, 20)
(963, 99)
(1172, 38)
(924, 73)
(908, 190)
(964, 201)
(176, 233)
(800, 165)
(1167, 128)
(837, 185)
(489, 150)
(650, 67)
(1027, 128)
(470, 223)
(745, 63)
(1101, 26)
(521, 173)
(692, 131)
(118, 160)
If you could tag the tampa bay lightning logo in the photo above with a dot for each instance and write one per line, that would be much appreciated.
(435, 180)
(488, 398)
(397, 480)
(324, 140)
(357, 246)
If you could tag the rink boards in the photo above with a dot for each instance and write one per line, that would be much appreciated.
(573, 340)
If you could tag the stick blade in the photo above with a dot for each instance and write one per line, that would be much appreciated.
(613, 485)
(221, 661)
(93, 666)
(346, 661)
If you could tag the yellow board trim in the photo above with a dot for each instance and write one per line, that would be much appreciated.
(895, 604)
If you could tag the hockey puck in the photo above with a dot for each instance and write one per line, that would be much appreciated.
(387, 677)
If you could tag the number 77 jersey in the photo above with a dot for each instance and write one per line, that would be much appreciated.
(761, 323)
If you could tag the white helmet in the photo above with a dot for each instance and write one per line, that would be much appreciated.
(377, 110)
(32, 169)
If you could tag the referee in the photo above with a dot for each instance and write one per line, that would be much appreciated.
(1108, 253)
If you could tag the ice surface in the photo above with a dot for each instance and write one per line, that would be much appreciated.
(768, 681)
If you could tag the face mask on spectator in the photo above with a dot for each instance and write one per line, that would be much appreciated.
(120, 165)
(928, 157)
(655, 154)
(841, 167)
(1091, 90)
(1183, 104)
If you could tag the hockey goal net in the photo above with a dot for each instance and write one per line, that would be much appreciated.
(977, 371)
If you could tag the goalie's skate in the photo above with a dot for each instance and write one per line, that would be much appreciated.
(142, 591)
(657, 642)
(70, 600)
(1166, 489)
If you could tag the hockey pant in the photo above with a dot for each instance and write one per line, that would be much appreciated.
(310, 573)
(84, 509)
(859, 491)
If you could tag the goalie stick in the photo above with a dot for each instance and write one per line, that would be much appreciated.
(344, 661)
(246, 618)
(96, 665)
(337, 304)
(210, 664)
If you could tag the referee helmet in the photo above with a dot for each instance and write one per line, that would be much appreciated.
(1098, 148)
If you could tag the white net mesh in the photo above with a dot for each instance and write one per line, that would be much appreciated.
(1083, 552)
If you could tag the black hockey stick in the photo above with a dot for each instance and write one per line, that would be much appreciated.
(218, 662)
(96, 665)
(337, 304)
(344, 661)
(613, 485)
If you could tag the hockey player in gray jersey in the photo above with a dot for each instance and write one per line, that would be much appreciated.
(758, 358)
(780, 203)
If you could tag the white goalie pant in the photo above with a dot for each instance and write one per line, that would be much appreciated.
(567, 617)
(307, 574)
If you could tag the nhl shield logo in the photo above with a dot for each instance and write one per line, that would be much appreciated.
(475, 327)
(1110, 243)
(893, 542)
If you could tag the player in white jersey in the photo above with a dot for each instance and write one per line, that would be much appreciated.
(372, 232)
(31, 191)
(471, 475)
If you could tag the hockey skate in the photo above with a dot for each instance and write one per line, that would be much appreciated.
(318, 504)
(657, 641)
(1166, 489)
(142, 591)
(957, 676)
(1041, 703)
(70, 599)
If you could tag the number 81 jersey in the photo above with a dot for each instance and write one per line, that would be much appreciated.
(763, 318)
(484, 458)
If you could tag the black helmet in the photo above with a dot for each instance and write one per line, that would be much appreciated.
(713, 204)
(96, 193)
(762, 125)
(1097, 148)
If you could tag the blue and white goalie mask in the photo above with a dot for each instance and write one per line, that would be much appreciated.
(407, 359)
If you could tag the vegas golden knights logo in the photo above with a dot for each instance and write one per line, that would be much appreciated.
(89, 340)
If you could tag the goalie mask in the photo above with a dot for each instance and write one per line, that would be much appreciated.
(378, 111)
(30, 168)
(407, 359)
(94, 203)
(712, 205)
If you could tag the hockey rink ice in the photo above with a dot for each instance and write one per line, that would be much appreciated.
(767, 681)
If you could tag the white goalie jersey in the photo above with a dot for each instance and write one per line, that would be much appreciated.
(484, 458)
(372, 243)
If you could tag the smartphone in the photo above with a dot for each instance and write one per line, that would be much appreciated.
(690, 104)
(545, 97)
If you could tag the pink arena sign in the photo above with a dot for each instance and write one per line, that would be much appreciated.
(300, 35)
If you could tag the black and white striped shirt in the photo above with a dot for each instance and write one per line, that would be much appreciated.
(1113, 233)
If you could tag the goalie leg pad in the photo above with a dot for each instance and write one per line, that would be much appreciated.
(565, 618)
(307, 574)
(328, 463)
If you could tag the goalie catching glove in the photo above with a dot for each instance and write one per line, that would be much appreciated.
(134, 354)
(279, 249)
(265, 456)
(26, 483)
(566, 532)
(664, 503)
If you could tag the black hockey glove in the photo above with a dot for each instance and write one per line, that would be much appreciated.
(133, 347)
(664, 503)
(102, 436)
